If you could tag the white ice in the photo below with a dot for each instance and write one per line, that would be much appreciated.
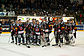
(8, 49)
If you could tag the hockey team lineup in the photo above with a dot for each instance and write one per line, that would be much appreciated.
(41, 28)
(37, 33)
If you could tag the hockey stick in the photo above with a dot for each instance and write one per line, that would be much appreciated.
(45, 43)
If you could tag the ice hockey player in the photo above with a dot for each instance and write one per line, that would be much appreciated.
(58, 33)
(20, 32)
(16, 32)
(67, 29)
(0, 27)
(33, 36)
(74, 28)
(70, 29)
(27, 30)
(46, 31)
(12, 31)
(62, 32)
(55, 32)
(38, 33)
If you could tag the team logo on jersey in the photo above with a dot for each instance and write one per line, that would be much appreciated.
(62, 28)
(36, 29)
(20, 28)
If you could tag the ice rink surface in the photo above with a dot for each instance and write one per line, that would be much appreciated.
(8, 49)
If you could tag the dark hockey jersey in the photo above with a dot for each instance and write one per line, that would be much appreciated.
(20, 28)
(0, 27)
(37, 29)
(27, 28)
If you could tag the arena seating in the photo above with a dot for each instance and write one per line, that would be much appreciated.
(43, 7)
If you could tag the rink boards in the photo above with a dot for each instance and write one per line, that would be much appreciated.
(52, 31)
(80, 27)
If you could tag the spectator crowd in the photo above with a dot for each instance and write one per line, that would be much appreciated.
(43, 8)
